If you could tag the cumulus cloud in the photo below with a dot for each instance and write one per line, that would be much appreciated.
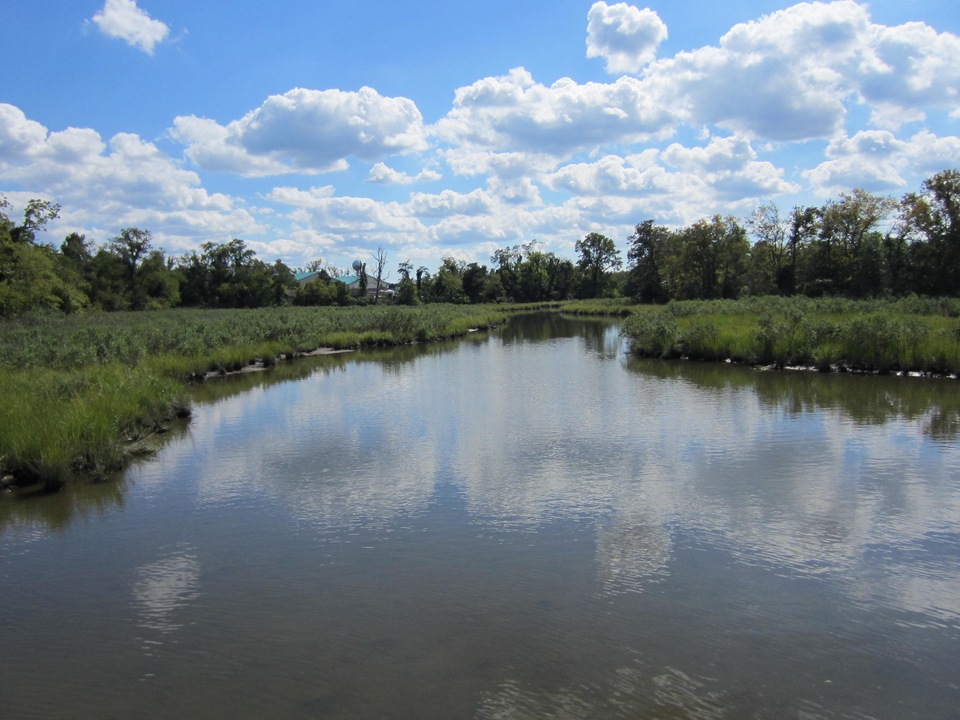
(930, 154)
(787, 76)
(611, 175)
(626, 37)
(314, 197)
(305, 131)
(514, 113)
(301, 245)
(125, 181)
(449, 203)
(123, 19)
(876, 161)
(381, 174)
(677, 179)
(503, 165)
(349, 217)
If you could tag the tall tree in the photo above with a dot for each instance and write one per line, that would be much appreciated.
(933, 215)
(646, 256)
(768, 256)
(380, 260)
(598, 256)
(407, 294)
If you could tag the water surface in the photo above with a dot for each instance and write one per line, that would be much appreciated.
(526, 524)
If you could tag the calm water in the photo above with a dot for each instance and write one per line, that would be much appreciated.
(526, 524)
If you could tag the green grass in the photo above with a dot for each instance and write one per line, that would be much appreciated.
(81, 393)
(56, 425)
(866, 336)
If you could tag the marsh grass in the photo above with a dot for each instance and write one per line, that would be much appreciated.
(81, 393)
(829, 334)
(55, 425)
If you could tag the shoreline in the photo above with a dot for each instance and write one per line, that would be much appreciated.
(145, 398)
(834, 369)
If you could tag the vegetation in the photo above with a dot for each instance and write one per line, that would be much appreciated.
(909, 335)
(81, 393)
(814, 288)
(858, 245)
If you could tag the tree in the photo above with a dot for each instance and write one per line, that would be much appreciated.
(768, 257)
(423, 282)
(130, 246)
(447, 284)
(804, 223)
(31, 275)
(229, 275)
(380, 258)
(598, 256)
(363, 280)
(843, 259)
(534, 278)
(648, 251)
(708, 260)
(321, 291)
(933, 215)
(407, 294)
(475, 282)
(35, 217)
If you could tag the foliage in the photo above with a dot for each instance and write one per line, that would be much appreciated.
(229, 275)
(598, 256)
(77, 390)
(857, 245)
(911, 335)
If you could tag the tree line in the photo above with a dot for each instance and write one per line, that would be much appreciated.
(858, 245)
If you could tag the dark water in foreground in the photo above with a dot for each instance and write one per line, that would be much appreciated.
(521, 525)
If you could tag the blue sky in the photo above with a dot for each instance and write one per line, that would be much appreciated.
(322, 130)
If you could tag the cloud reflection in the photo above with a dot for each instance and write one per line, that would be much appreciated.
(164, 586)
(794, 471)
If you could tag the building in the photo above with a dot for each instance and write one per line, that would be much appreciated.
(351, 281)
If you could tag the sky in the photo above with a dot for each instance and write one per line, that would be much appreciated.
(322, 130)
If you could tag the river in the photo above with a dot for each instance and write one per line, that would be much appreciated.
(527, 523)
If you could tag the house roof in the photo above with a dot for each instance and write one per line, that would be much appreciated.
(305, 275)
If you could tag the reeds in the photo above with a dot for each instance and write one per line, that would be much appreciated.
(80, 393)
(830, 334)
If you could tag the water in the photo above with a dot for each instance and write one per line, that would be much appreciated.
(526, 524)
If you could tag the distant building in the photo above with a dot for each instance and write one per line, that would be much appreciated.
(305, 277)
(351, 281)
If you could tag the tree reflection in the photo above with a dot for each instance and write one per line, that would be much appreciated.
(864, 399)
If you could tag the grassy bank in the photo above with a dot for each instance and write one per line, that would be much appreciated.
(82, 394)
(912, 335)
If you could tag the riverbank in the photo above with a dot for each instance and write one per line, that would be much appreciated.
(910, 336)
(82, 394)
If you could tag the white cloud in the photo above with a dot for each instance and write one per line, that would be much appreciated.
(305, 131)
(626, 37)
(380, 174)
(300, 246)
(787, 76)
(930, 154)
(679, 182)
(354, 218)
(126, 181)
(449, 203)
(514, 113)
(876, 161)
(608, 176)
(504, 165)
(314, 197)
(514, 191)
(123, 19)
